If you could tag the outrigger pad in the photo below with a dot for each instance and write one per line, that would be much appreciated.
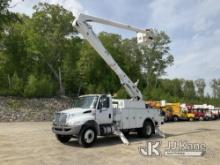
(159, 132)
(122, 136)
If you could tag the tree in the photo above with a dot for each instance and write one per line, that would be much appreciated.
(156, 58)
(14, 57)
(15, 52)
(16, 85)
(189, 89)
(200, 85)
(51, 28)
(71, 74)
(5, 15)
(38, 87)
(215, 85)
(173, 88)
(96, 75)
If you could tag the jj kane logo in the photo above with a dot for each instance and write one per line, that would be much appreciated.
(173, 148)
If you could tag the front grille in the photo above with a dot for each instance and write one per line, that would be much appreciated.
(60, 119)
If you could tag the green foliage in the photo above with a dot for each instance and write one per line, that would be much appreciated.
(215, 84)
(200, 85)
(5, 15)
(156, 58)
(50, 34)
(16, 85)
(42, 56)
(71, 77)
(41, 87)
(31, 87)
(189, 89)
(121, 93)
(97, 77)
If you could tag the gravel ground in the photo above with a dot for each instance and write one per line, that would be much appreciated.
(34, 143)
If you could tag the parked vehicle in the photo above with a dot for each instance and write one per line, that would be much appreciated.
(180, 112)
(216, 112)
(161, 106)
(198, 111)
(204, 112)
(173, 111)
(209, 115)
(99, 114)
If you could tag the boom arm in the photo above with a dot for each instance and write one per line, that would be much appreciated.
(87, 32)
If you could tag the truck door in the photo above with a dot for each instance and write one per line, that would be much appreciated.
(104, 113)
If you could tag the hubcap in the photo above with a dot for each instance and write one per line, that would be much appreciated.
(148, 129)
(89, 136)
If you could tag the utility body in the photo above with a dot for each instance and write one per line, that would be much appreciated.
(99, 114)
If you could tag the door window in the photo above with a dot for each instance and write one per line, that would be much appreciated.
(103, 102)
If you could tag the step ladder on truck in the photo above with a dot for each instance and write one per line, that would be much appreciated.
(99, 114)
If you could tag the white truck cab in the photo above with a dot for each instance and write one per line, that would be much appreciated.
(100, 115)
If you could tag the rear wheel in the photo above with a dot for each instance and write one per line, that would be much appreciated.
(148, 129)
(63, 138)
(201, 118)
(175, 118)
(87, 136)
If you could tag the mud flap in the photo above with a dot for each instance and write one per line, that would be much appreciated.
(159, 132)
(120, 134)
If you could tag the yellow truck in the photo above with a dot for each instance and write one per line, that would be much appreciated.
(172, 111)
(180, 113)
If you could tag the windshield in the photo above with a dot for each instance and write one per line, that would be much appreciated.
(86, 102)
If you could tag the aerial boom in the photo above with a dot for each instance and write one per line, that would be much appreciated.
(81, 24)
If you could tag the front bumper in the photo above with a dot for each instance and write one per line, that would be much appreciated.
(66, 130)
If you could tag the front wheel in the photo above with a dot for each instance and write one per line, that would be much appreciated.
(63, 138)
(87, 136)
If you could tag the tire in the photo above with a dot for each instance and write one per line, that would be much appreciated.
(148, 129)
(175, 118)
(63, 138)
(190, 119)
(201, 118)
(87, 136)
(206, 118)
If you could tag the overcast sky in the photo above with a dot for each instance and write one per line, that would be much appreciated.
(193, 26)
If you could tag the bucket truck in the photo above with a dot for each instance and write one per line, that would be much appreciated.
(99, 114)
